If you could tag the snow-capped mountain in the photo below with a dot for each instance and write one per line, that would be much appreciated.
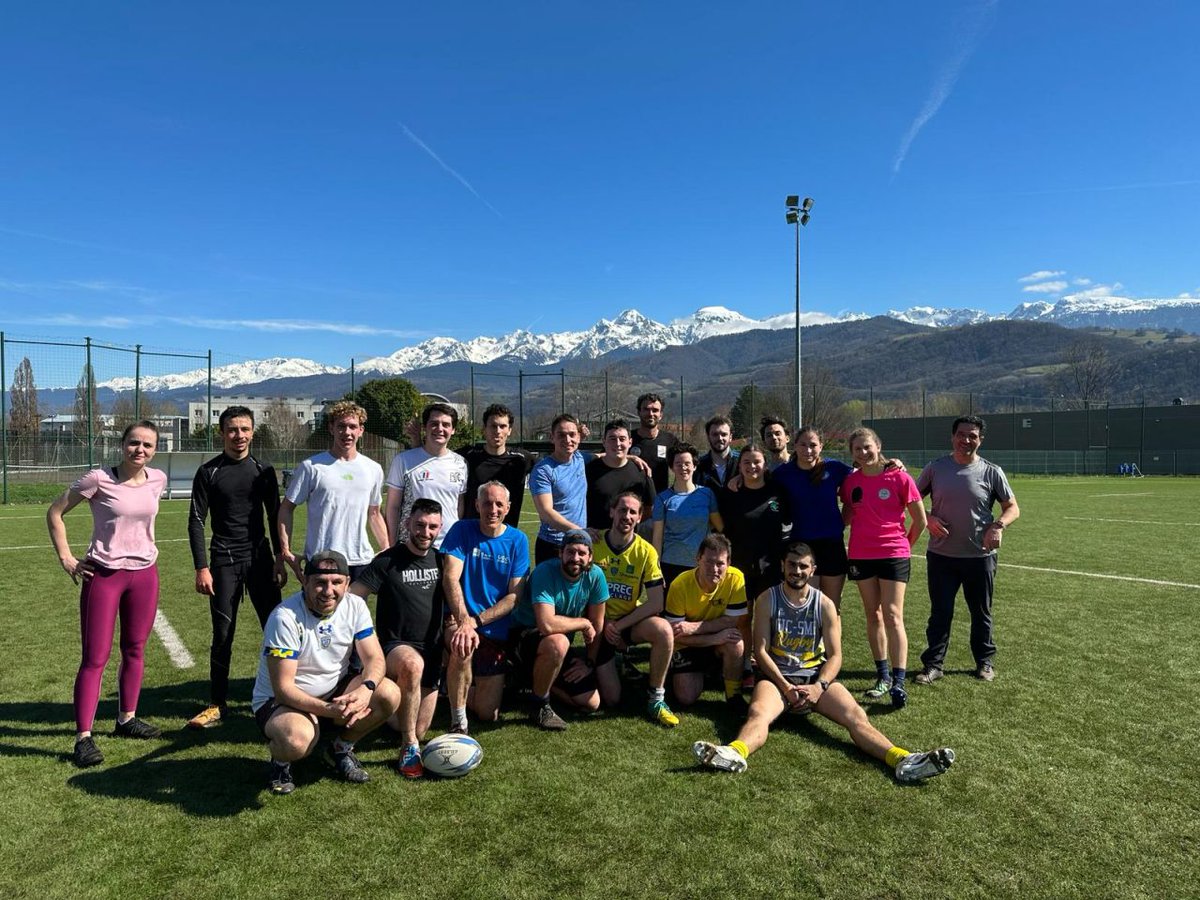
(941, 318)
(632, 332)
(228, 376)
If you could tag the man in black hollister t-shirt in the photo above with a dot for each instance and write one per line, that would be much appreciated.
(408, 579)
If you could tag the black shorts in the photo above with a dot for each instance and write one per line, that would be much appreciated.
(263, 714)
(897, 568)
(524, 646)
(490, 658)
(431, 674)
(807, 676)
(607, 651)
(830, 556)
(700, 660)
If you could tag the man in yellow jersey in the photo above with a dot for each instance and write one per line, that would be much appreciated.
(706, 607)
(798, 648)
(633, 613)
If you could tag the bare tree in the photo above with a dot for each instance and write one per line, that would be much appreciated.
(1088, 373)
(86, 409)
(286, 428)
(23, 416)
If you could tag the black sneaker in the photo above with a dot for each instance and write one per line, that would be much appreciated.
(463, 729)
(347, 766)
(548, 720)
(136, 728)
(279, 778)
(87, 753)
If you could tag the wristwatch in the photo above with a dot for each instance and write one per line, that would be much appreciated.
(824, 685)
(368, 684)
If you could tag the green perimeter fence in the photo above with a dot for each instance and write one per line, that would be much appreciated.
(65, 403)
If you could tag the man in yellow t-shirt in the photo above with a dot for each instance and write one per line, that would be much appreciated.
(706, 607)
(633, 614)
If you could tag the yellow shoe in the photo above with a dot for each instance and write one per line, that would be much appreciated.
(661, 713)
(206, 718)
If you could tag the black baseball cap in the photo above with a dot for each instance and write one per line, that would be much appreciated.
(327, 562)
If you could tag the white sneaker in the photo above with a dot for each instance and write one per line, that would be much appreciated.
(919, 766)
(719, 756)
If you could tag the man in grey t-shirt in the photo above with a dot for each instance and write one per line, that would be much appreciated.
(963, 539)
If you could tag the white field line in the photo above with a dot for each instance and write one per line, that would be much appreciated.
(1128, 521)
(170, 638)
(1138, 494)
(1099, 575)
(42, 516)
(46, 545)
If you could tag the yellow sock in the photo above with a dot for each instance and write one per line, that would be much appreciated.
(740, 747)
(732, 687)
(895, 755)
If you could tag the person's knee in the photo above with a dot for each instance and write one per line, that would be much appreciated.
(487, 711)
(386, 698)
(554, 647)
(659, 632)
(589, 701)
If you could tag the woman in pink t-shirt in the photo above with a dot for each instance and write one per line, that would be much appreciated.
(119, 576)
(874, 501)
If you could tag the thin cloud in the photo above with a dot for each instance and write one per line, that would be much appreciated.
(979, 22)
(1081, 281)
(437, 159)
(1041, 275)
(1046, 287)
(273, 326)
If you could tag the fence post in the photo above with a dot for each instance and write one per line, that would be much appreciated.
(521, 403)
(88, 380)
(473, 395)
(870, 403)
(682, 437)
(924, 430)
(137, 382)
(1053, 438)
(751, 420)
(208, 420)
(352, 374)
(562, 391)
(1142, 439)
(4, 418)
(607, 407)
(1014, 415)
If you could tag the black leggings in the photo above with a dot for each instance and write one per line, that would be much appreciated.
(256, 577)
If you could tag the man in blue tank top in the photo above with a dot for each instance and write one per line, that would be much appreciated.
(798, 648)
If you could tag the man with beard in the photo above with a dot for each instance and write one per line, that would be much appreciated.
(798, 648)
(563, 596)
(408, 579)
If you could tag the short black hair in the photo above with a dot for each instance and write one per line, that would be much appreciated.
(614, 425)
(497, 409)
(444, 408)
(648, 398)
(425, 506)
(235, 412)
(969, 420)
(766, 422)
(681, 447)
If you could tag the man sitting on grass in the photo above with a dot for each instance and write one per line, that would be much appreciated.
(563, 596)
(798, 648)
(633, 614)
(706, 607)
(304, 678)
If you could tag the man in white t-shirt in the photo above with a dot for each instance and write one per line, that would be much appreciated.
(343, 490)
(432, 470)
(304, 676)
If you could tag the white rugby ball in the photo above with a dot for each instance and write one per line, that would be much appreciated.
(451, 755)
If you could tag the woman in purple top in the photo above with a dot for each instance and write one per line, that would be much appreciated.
(119, 576)
(875, 500)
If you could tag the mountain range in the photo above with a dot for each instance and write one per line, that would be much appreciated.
(632, 334)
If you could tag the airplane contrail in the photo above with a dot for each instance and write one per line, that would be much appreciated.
(947, 78)
(437, 159)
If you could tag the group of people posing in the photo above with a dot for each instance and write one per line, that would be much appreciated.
(732, 569)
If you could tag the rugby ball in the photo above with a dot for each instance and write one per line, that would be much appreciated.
(451, 755)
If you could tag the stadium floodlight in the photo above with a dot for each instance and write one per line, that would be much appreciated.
(797, 214)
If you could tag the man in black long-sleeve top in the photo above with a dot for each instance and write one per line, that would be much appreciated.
(237, 490)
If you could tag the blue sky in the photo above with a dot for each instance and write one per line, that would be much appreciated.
(297, 179)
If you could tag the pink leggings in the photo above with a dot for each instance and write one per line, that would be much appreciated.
(134, 593)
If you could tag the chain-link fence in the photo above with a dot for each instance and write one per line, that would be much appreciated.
(65, 404)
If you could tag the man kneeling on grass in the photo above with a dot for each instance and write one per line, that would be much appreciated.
(798, 648)
(304, 677)
(564, 595)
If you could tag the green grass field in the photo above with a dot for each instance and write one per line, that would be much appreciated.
(1075, 774)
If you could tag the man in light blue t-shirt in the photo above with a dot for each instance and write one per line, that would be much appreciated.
(483, 564)
(563, 596)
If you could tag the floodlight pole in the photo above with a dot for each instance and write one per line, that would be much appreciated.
(798, 214)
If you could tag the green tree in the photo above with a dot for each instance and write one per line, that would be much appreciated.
(391, 403)
(752, 403)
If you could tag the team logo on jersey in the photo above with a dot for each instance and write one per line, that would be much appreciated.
(324, 634)
(884, 493)
(773, 505)
(347, 476)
